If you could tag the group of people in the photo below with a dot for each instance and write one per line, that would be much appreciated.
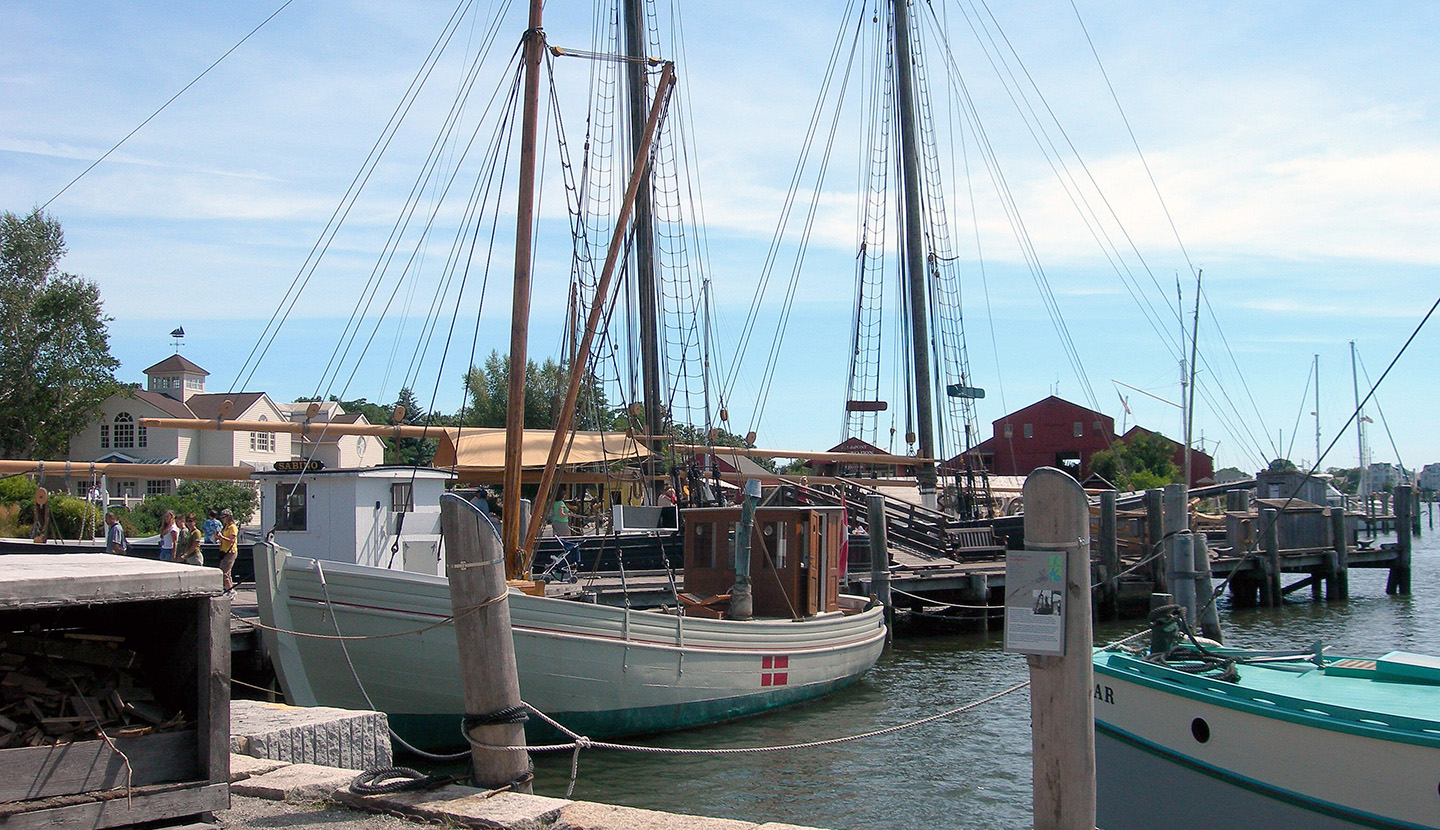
(180, 539)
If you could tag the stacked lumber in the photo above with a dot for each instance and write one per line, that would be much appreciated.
(62, 686)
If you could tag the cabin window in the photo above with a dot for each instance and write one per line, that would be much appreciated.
(104, 436)
(157, 487)
(124, 431)
(1079, 429)
(1029, 430)
(774, 534)
(1009, 431)
(402, 497)
(290, 507)
(730, 552)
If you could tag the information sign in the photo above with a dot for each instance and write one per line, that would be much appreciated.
(1035, 602)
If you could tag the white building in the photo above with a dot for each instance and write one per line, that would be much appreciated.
(379, 516)
(1430, 478)
(175, 388)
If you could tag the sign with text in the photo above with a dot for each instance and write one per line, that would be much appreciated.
(1035, 602)
(298, 466)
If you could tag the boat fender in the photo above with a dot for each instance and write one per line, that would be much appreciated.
(395, 780)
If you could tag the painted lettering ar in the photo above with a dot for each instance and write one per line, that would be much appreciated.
(1104, 694)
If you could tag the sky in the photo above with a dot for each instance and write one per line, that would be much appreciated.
(1290, 152)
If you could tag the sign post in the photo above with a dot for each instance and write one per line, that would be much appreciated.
(1047, 617)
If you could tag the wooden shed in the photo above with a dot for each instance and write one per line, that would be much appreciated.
(115, 676)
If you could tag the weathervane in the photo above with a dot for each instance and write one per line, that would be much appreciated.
(179, 335)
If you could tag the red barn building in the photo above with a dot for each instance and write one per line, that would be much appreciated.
(1050, 433)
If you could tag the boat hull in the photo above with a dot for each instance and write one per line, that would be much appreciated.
(1193, 753)
(600, 671)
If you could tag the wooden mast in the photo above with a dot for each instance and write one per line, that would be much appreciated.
(648, 295)
(520, 302)
(566, 416)
(915, 274)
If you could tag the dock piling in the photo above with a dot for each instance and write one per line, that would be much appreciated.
(880, 557)
(475, 563)
(1109, 598)
(1339, 583)
(1205, 590)
(1399, 581)
(1062, 705)
(1271, 595)
(1155, 536)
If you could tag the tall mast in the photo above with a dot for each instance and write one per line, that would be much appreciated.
(645, 287)
(520, 303)
(915, 276)
(1317, 410)
(1364, 487)
(1190, 382)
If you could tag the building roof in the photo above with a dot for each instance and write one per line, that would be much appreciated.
(853, 444)
(175, 363)
(1048, 402)
(207, 404)
(164, 403)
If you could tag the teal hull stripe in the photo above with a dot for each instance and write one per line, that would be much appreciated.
(1273, 711)
(1304, 802)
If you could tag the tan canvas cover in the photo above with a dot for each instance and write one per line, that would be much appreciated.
(484, 449)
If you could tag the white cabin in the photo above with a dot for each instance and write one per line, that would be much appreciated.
(386, 517)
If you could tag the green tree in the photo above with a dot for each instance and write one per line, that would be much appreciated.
(412, 452)
(1144, 463)
(55, 363)
(488, 388)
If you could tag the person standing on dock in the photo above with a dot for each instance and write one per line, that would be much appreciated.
(169, 536)
(560, 518)
(229, 537)
(114, 535)
(210, 527)
(190, 538)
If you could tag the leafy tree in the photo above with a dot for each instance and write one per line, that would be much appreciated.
(55, 363)
(1347, 479)
(1144, 463)
(488, 388)
(198, 497)
(412, 452)
(1283, 465)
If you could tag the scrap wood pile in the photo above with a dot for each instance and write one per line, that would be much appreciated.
(58, 687)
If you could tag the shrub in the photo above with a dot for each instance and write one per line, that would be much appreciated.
(68, 517)
(16, 489)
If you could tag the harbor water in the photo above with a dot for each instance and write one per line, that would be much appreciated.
(970, 770)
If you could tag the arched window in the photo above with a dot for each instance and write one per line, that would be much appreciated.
(124, 431)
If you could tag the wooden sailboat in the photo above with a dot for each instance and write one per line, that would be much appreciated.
(599, 670)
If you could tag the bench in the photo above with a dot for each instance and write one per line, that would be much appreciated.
(974, 544)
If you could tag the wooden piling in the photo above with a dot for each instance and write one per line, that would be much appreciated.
(880, 557)
(1062, 705)
(1415, 510)
(1205, 590)
(1270, 591)
(1109, 594)
(1178, 571)
(1399, 581)
(475, 563)
(1338, 586)
(1154, 537)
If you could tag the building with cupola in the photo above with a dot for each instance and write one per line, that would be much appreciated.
(175, 388)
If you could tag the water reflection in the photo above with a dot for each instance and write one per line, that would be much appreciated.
(971, 770)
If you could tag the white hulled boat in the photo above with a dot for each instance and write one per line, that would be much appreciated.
(599, 670)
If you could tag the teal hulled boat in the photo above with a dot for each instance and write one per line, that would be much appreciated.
(1208, 737)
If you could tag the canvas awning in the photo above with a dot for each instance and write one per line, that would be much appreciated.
(479, 450)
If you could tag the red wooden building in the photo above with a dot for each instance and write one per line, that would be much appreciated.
(1050, 433)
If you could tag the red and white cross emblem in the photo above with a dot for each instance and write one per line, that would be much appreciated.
(772, 671)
